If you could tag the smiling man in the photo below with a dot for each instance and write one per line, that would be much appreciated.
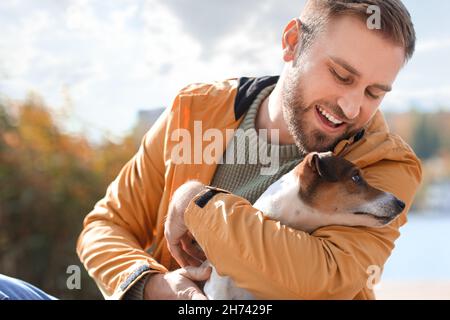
(336, 73)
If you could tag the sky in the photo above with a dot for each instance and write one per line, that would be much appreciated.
(105, 60)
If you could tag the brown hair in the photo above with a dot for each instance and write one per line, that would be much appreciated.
(396, 24)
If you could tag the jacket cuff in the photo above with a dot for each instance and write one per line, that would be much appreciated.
(136, 291)
(193, 215)
(132, 277)
(203, 197)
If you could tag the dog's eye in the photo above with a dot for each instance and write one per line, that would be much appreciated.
(356, 178)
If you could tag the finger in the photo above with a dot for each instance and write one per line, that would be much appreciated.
(191, 261)
(192, 248)
(174, 231)
(175, 249)
(196, 273)
(193, 252)
(191, 293)
(199, 296)
(183, 259)
(178, 254)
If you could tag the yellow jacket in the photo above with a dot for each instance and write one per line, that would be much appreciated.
(270, 260)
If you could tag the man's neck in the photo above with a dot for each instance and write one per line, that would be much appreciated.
(270, 117)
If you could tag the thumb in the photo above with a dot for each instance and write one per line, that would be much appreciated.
(201, 273)
(198, 296)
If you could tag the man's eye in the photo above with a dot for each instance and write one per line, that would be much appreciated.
(341, 79)
(371, 95)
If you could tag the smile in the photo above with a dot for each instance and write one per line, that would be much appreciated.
(327, 119)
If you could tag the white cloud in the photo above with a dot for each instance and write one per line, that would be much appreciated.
(433, 45)
(18, 43)
(80, 16)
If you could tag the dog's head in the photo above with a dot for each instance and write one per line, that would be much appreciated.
(334, 188)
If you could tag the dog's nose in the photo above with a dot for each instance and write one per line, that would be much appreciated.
(400, 204)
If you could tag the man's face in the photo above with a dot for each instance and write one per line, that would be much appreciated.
(334, 88)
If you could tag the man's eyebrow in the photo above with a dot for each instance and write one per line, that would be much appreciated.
(344, 64)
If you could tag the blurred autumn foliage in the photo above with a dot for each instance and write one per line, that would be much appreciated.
(428, 133)
(49, 180)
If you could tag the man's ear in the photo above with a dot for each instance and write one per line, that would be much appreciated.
(290, 39)
(324, 165)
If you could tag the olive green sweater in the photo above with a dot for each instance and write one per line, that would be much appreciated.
(244, 175)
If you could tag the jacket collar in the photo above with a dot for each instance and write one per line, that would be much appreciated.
(247, 91)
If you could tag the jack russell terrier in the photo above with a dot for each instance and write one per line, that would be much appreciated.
(302, 199)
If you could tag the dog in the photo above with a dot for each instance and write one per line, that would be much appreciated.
(322, 190)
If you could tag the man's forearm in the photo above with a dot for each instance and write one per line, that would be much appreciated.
(274, 261)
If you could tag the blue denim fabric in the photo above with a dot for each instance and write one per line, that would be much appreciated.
(14, 289)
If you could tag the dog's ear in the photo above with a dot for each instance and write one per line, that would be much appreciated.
(324, 164)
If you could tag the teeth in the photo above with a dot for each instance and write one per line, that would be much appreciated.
(330, 117)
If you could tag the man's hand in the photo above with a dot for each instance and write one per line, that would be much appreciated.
(179, 241)
(177, 285)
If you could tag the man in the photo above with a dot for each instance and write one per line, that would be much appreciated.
(337, 71)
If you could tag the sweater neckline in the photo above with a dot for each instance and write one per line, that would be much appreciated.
(286, 151)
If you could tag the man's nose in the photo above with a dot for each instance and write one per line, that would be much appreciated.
(350, 104)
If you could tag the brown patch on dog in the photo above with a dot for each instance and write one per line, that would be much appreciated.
(333, 184)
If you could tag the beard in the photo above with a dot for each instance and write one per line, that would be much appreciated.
(306, 137)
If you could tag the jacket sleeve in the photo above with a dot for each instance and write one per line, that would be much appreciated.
(276, 262)
(119, 228)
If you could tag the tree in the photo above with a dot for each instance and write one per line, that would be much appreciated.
(49, 181)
